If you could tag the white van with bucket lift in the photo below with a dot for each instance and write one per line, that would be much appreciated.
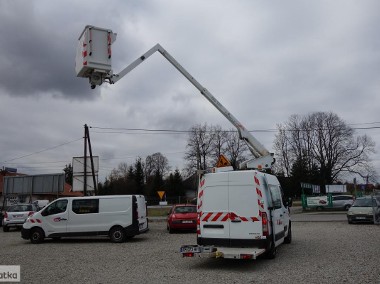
(241, 215)
(119, 216)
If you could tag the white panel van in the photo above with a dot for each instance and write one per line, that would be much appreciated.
(118, 216)
(241, 215)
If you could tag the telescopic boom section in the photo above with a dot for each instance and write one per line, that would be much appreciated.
(263, 159)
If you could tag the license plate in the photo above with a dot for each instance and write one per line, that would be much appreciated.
(18, 216)
(195, 249)
(187, 222)
(360, 218)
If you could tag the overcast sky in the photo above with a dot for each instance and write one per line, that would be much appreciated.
(263, 60)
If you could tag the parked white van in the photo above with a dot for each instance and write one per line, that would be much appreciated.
(117, 216)
(241, 215)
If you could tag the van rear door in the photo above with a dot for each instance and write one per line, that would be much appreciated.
(213, 209)
(141, 213)
(245, 221)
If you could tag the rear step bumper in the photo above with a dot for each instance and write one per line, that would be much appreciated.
(221, 252)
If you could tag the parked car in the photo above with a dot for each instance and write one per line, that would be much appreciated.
(342, 201)
(182, 217)
(16, 215)
(363, 210)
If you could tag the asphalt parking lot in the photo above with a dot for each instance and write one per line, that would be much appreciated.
(321, 252)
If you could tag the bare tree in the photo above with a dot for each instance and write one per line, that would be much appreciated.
(199, 147)
(322, 140)
(235, 148)
(121, 172)
(219, 141)
(156, 163)
(206, 144)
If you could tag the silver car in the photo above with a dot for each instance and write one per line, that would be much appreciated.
(16, 215)
(364, 209)
(342, 201)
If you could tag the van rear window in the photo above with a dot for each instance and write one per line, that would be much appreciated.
(86, 206)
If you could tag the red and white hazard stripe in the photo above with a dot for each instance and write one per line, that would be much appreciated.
(224, 217)
(260, 201)
(84, 50)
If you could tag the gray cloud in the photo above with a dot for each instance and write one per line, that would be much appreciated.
(262, 60)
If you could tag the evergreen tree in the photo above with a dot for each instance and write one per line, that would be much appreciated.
(139, 176)
(68, 174)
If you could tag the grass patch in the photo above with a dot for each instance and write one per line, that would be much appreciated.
(158, 212)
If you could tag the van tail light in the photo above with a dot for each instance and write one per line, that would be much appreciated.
(265, 223)
(188, 254)
(246, 256)
(6, 215)
(30, 213)
(198, 223)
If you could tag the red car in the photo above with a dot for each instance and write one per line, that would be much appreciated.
(182, 217)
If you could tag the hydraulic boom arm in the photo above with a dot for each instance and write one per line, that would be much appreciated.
(263, 159)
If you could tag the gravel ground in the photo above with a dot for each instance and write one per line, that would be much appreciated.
(321, 252)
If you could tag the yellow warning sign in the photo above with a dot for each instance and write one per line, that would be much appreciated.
(161, 194)
(223, 162)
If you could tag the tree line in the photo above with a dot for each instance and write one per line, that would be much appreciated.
(318, 148)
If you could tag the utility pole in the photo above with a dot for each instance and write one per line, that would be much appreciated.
(88, 141)
(85, 161)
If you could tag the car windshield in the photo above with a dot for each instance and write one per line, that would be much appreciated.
(20, 208)
(185, 209)
(363, 202)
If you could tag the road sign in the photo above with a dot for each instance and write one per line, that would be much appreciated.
(161, 194)
(223, 162)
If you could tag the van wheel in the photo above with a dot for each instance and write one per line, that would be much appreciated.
(36, 235)
(288, 238)
(346, 207)
(5, 228)
(272, 251)
(117, 235)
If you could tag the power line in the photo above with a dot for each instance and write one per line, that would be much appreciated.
(171, 131)
(165, 131)
(44, 150)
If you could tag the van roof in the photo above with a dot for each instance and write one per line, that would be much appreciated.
(101, 196)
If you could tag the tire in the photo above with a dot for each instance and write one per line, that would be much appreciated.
(346, 207)
(5, 228)
(171, 230)
(271, 252)
(288, 238)
(36, 236)
(117, 235)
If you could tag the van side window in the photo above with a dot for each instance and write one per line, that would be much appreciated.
(55, 208)
(275, 193)
(85, 206)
